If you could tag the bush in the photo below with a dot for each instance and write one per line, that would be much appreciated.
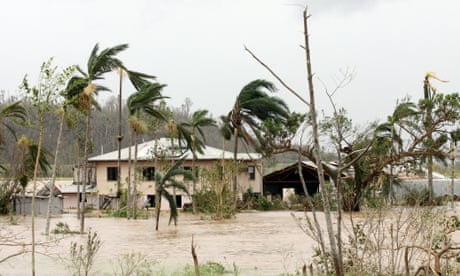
(301, 202)
(421, 197)
(63, 228)
(134, 264)
(207, 202)
(208, 269)
(267, 205)
(82, 257)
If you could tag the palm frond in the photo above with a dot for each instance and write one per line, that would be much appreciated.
(139, 80)
(105, 61)
(43, 162)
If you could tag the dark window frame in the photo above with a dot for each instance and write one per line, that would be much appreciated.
(148, 173)
(252, 174)
(112, 173)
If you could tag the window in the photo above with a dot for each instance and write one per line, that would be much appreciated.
(252, 172)
(148, 173)
(112, 173)
(189, 169)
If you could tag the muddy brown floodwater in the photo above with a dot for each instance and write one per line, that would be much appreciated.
(257, 243)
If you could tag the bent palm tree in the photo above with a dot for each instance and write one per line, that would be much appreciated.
(15, 113)
(80, 92)
(138, 80)
(166, 181)
(391, 132)
(12, 113)
(252, 106)
(197, 136)
(142, 102)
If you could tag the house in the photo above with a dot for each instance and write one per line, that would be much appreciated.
(71, 192)
(442, 185)
(22, 203)
(286, 181)
(166, 151)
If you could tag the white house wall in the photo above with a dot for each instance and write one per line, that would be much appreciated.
(105, 187)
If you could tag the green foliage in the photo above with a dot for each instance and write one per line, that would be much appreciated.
(276, 203)
(207, 202)
(215, 189)
(264, 204)
(167, 180)
(81, 257)
(207, 269)
(301, 202)
(122, 213)
(421, 197)
(10, 114)
(63, 228)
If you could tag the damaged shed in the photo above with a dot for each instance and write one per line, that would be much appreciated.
(287, 180)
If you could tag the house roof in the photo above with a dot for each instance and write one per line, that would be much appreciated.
(145, 151)
(293, 166)
(73, 189)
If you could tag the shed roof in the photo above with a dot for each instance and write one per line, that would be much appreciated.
(145, 151)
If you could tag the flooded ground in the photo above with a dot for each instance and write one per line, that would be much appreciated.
(258, 243)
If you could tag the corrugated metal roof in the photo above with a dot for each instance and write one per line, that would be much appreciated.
(73, 189)
(145, 151)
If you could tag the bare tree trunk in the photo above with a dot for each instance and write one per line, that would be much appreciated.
(119, 139)
(53, 175)
(195, 260)
(135, 177)
(157, 193)
(235, 168)
(337, 259)
(452, 181)
(312, 206)
(128, 197)
(37, 161)
(157, 208)
(194, 182)
(79, 181)
(428, 125)
(85, 171)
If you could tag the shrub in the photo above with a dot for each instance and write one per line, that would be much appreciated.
(207, 269)
(82, 257)
(207, 202)
(134, 264)
(63, 228)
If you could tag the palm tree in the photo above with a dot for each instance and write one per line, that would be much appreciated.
(81, 90)
(167, 180)
(252, 106)
(15, 113)
(142, 102)
(391, 132)
(429, 92)
(138, 80)
(199, 120)
(11, 113)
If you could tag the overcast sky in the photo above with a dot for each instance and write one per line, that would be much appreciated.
(196, 47)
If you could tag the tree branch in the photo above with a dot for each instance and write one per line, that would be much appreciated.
(276, 76)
